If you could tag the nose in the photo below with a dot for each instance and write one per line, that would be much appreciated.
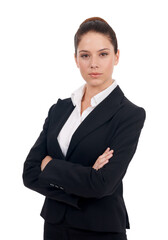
(93, 63)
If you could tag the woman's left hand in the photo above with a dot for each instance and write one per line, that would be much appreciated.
(45, 161)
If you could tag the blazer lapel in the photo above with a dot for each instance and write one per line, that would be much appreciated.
(99, 115)
(64, 111)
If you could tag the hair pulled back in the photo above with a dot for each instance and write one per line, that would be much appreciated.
(95, 24)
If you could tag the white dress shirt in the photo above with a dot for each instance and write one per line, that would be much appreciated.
(75, 117)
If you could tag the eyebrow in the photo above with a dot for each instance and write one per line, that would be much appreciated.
(97, 51)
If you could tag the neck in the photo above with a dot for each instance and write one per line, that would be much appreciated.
(91, 91)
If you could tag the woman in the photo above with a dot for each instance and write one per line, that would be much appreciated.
(81, 156)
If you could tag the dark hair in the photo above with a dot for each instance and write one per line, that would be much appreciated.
(95, 24)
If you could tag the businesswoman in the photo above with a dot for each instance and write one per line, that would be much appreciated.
(88, 140)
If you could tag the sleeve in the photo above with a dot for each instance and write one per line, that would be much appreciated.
(88, 182)
(32, 169)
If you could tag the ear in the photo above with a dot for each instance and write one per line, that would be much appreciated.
(76, 60)
(117, 56)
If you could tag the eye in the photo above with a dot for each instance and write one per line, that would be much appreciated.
(104, 54)
(84, 55)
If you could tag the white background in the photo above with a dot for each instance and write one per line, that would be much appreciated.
(37, 67)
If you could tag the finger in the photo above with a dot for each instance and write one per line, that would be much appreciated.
(111, 151)
(101, 165)
(106, 154)
(107, 149)
(105, 157)
(102, 159)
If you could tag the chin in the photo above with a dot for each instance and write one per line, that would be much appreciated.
(96, 82)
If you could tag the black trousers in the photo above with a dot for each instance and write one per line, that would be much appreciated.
(63, 232)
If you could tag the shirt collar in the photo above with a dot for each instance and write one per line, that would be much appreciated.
(77, 95)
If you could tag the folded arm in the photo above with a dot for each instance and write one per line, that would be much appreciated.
(32, 170)
(87, 182)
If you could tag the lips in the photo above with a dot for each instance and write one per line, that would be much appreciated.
(94, 75)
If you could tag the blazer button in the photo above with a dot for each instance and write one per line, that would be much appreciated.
(62, 188)
(56, 186)
(51, 184)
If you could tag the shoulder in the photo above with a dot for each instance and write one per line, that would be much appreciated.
(126, 108)
(60, 105)
(131, 108)
(130, 113)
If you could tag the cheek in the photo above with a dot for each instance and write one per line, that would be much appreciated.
(108, 65)
(83, 66)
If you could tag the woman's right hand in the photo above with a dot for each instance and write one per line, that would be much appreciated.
(103, 159)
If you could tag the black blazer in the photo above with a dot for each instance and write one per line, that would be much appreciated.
(90, 199)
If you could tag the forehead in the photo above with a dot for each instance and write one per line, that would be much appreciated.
(94, 40)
